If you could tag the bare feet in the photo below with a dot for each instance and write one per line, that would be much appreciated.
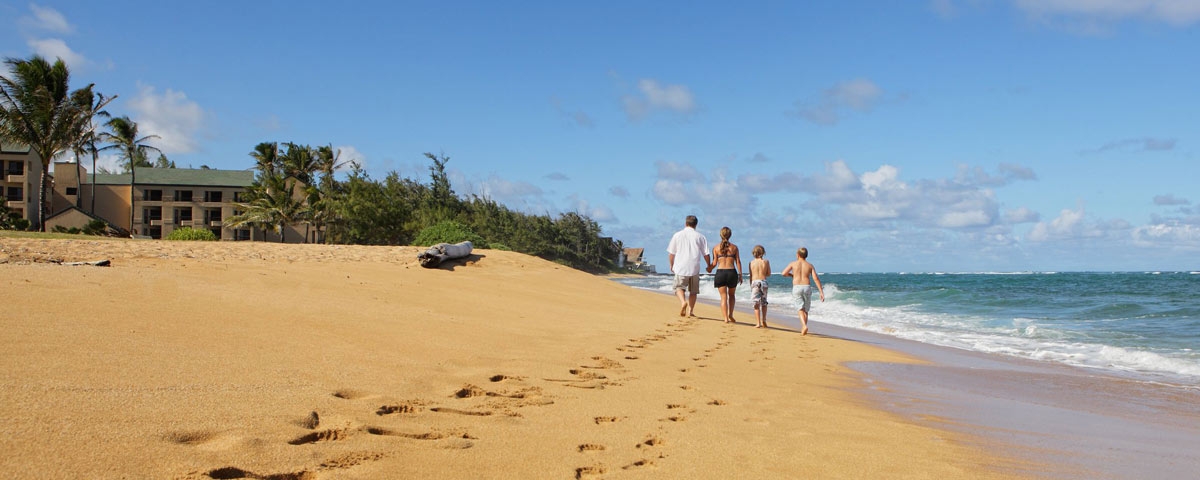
(683, 310)
(804, 331)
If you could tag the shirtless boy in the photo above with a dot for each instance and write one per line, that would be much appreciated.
(760, 269)
(800, 271)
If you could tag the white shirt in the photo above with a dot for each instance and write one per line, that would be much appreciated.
(688, 246)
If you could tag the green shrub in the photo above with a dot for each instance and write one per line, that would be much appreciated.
(448, 232)
(192, 234)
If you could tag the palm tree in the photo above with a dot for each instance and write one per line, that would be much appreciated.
(271, 204)
(123, 136)
(266, 157)
(36, 109)
(87, 137)
(321, 198)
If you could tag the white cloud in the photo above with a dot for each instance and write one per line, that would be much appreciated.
(169, 115)
(672, 192)
(347, 154)
(47, 19)
(619, 191)
(1020, 215)
(1179, 13)
(653, 96)
(598, 213)
(859, 95)
(52, 48)
(1068, 224)
(1172, 235)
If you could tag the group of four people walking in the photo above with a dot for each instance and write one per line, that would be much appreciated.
(688, 247)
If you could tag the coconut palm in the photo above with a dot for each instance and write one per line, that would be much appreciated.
(122, 136)
(271, 204)
(266, 157)
(87, 138)
(36, 109)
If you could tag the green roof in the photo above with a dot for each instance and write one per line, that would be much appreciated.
(9, 147)
(198, 177)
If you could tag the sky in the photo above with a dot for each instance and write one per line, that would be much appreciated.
(884, 136)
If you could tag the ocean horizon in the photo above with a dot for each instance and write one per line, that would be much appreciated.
(1143, 325)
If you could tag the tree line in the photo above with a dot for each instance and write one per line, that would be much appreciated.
(295, 184)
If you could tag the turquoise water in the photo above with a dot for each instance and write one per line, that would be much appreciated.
(1141, 323)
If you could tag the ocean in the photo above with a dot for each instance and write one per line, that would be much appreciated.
(1144, 325)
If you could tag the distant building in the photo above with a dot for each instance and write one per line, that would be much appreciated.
(632, 259)
(20, 174)
(162, 200)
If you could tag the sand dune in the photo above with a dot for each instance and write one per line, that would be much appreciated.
(241, 360)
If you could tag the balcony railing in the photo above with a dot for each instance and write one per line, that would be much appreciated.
(15, 178)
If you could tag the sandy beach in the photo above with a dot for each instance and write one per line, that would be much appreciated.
(250, 360)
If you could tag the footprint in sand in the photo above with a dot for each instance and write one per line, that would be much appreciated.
(331, 435)
(407, 407)
(468, 391)
(673, 406)
(652, 442)
(461, 412)
(234, 472)
(717, 402)
(587, 472)
(501, 378)
(639, 464)
(603, 420)
(590, 447)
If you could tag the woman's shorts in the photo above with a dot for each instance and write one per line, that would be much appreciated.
(726, 277)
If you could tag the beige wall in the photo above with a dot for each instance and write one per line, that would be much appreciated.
(202, 212)
(27, 183)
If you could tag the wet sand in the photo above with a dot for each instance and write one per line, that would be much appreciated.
(1069, 422)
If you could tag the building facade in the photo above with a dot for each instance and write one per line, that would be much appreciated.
(150, 204)
(20, 174)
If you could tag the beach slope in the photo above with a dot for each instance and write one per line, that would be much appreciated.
(249, 360)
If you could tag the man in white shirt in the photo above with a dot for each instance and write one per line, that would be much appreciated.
(684, 252)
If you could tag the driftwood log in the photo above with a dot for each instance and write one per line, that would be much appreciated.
(442, 252)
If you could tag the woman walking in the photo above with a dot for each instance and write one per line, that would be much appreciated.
(726, 257)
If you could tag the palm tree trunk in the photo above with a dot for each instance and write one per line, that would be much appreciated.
(94, 154)
(42, 196)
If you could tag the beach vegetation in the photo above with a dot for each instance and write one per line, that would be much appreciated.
(448, 231)
(11, 220)
(295, 184)
(192, 234)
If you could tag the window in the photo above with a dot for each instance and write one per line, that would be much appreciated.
(241, 234)
(151, 213)
(154, 232)
(239, 197)
(212, 215)
(152, 195)
(217, 232)
(212, 195)
(16, 168)
(14, 194)
(183, 195)
(72, 191)
(183, 215)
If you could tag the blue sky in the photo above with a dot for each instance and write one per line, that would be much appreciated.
(948, 135)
